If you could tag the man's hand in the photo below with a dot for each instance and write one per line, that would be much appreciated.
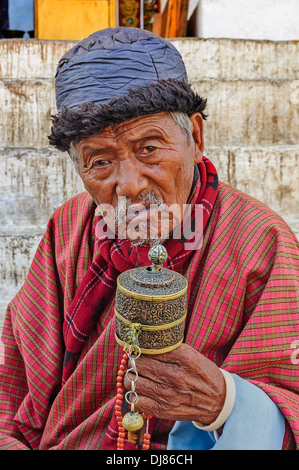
(181, 385)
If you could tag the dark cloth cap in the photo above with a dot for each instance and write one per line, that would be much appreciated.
(111, 61)
(115, 75)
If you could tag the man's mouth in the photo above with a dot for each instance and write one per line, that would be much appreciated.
(146, 219)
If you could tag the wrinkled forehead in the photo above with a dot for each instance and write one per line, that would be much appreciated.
(160, 126)
(107, 63)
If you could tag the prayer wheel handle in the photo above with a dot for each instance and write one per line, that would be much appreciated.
(157, 255)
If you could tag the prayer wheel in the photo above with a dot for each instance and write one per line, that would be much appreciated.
(153, 300)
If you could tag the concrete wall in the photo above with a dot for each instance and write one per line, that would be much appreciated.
(251, 134)
(255, 19)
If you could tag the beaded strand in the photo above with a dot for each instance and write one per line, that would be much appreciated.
(119, 400)
(118, 409)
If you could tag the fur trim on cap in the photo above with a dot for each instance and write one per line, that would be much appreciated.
(71, 125)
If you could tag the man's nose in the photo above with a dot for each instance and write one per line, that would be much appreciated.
(130, 179)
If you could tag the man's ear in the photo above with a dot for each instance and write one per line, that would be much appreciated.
(197, 133)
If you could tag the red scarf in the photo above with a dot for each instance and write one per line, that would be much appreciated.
(116, 256)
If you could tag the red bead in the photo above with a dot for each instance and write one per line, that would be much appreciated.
(118, 413)
(145, 447)
(147, 435)
(122, 367)
(121, 429)
(122, 434)
(117, 407)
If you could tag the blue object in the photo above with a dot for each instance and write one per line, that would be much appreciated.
(255, 423)
(107, 63)
(21, 15)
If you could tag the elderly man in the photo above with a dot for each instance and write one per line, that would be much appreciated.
(134, 128)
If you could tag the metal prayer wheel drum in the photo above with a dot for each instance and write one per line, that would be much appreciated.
(155, 299)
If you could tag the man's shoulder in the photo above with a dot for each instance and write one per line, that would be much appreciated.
(78, 205)
(73, 218)
(231, 197)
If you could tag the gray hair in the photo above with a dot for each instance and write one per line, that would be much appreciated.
(184, 123)
(181, 119)
(74, 156)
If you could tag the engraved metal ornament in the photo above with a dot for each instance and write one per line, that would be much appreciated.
(157, 255)
(132, 421)
(154, 298)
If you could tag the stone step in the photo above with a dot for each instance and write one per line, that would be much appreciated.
(221, 59)
(28, 107)
(3, 306)
(43, 57)
(250, 112)
(35, 182)
(270, 174)
(16, 254)
(239, 59)
(240, 112)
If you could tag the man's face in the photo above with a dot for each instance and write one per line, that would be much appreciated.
(143, 161)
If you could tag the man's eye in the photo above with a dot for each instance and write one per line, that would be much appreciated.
(148, 150)
(100, 163)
